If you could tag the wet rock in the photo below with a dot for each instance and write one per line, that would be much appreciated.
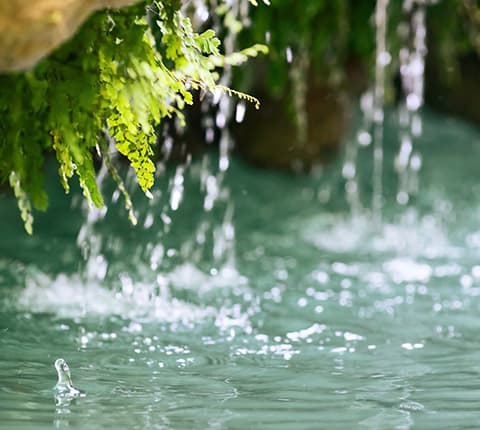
(30, 30)
(270, 137)
(454, 90)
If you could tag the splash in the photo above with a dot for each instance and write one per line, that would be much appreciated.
(412, 235)
(69, 296)
(64, 386)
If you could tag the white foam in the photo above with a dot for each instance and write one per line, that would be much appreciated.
(408, 270)
(189, 277)
(71, 297)
(411, 235)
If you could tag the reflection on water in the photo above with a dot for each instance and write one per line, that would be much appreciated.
(316, 320)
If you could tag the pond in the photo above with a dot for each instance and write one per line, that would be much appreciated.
(277, 309)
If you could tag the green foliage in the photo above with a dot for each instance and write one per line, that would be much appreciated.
(120, 76)
(454, 33)
(318, 28)
(333, 34)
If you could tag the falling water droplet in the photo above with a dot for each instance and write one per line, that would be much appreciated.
(289, 54)
(240, 112)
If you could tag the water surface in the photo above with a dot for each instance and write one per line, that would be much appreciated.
(303, 316)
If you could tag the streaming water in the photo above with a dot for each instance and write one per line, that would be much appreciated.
(371, 130)
(412, 66)
(323, 319)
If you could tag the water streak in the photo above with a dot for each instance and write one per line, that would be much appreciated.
(412, 67)
(382, 59)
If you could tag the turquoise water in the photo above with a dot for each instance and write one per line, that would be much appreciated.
(307, 317)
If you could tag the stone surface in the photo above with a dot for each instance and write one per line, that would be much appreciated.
(455, 91)
(269, 137)
(29, 30)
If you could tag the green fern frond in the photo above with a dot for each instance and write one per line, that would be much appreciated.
(23, 201)
(240, 95)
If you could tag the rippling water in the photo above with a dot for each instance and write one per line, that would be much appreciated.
(318, 319)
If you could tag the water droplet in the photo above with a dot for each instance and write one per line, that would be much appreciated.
(240, 112)
(289, 54)
(413, 102)
(402, 198)
(348, 170)
(364, 138)
(384, 58)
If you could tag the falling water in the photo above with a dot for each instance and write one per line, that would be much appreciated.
(412, 32)
(372, 123)
(382, 59)
(89, 243)
(411, 65)
(300, 65)
(227, 110)
(209, 236)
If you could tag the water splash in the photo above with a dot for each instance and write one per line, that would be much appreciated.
(64, 384)
(72, 297)
(411, 235)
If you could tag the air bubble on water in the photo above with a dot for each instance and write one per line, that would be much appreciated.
(302, 302)
(320, 276)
